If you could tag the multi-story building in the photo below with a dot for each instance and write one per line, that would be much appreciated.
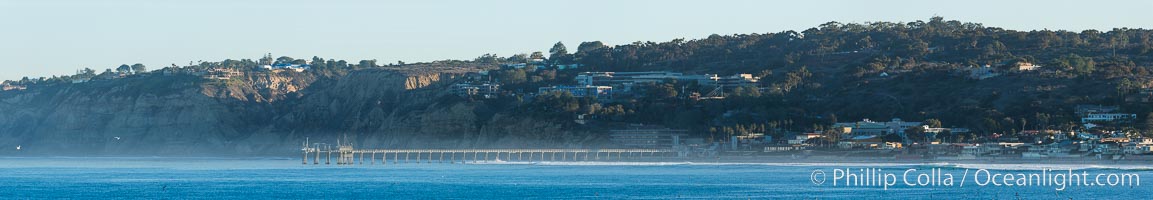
(222, 73)
(1108, 117)
(287, 66)
(1139, 146)
(627, 79)
(598, 92)
(487, 91)
(1085, 110)
(869, 127)
(801, 138)
(738, 80)
(632, 78)
(643, 136)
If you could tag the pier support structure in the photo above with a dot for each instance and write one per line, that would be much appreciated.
(347, 155)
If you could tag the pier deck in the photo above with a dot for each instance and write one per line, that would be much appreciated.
(347, 155)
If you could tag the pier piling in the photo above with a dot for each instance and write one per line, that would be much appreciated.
(347, 155)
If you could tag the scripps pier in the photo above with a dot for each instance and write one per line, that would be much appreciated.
(347, 155)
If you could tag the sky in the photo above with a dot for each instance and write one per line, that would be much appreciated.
(50, 37)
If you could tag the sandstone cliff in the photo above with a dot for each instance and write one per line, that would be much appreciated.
(261, 114)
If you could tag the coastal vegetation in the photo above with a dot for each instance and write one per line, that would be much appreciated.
(942, 72)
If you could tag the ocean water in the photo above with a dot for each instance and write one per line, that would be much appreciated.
(272, 178)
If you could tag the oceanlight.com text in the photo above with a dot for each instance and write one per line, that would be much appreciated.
(936, 177)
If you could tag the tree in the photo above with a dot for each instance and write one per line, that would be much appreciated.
(520, 57)
(944, 134)
(662, 91)
(139, 68)
(916, 134)
(87, 73)
(266, 60)
(487, 58)
(1076, 63)
(995, 49)
(107, 72)
(585, 47)
(299, 62)
(124, 69)
(367, 63)
(284, 59)
(512, 76)
(933, 123)
(765, 74)
(319, 63)
(834, 134)
(558, 54)
(558, 49)
(891, 138)
(795, 78)
(1149, 123)
(557, 101)
(537, 55)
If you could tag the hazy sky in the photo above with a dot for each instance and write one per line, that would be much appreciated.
(45, 37)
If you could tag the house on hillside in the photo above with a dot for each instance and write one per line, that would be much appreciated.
(75, 79)
(6, 86)
(485, 91)
(1025, 66)
(982, 73)
(287, 66)
(222, 73)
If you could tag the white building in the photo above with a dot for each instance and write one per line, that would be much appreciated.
(981, 73)
(486, 91)
(1140, 146)
(801, 138)
(738, 80)
(1108, 117)
(627, 79)
(286, 66)
(1025, 66)
(631, 78)
(869, 127)
(598, 92)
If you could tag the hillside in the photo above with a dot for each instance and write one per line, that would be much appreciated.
(258, 114)
(880, 70)
(808, 80)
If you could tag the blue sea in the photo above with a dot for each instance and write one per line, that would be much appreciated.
(274, 178)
